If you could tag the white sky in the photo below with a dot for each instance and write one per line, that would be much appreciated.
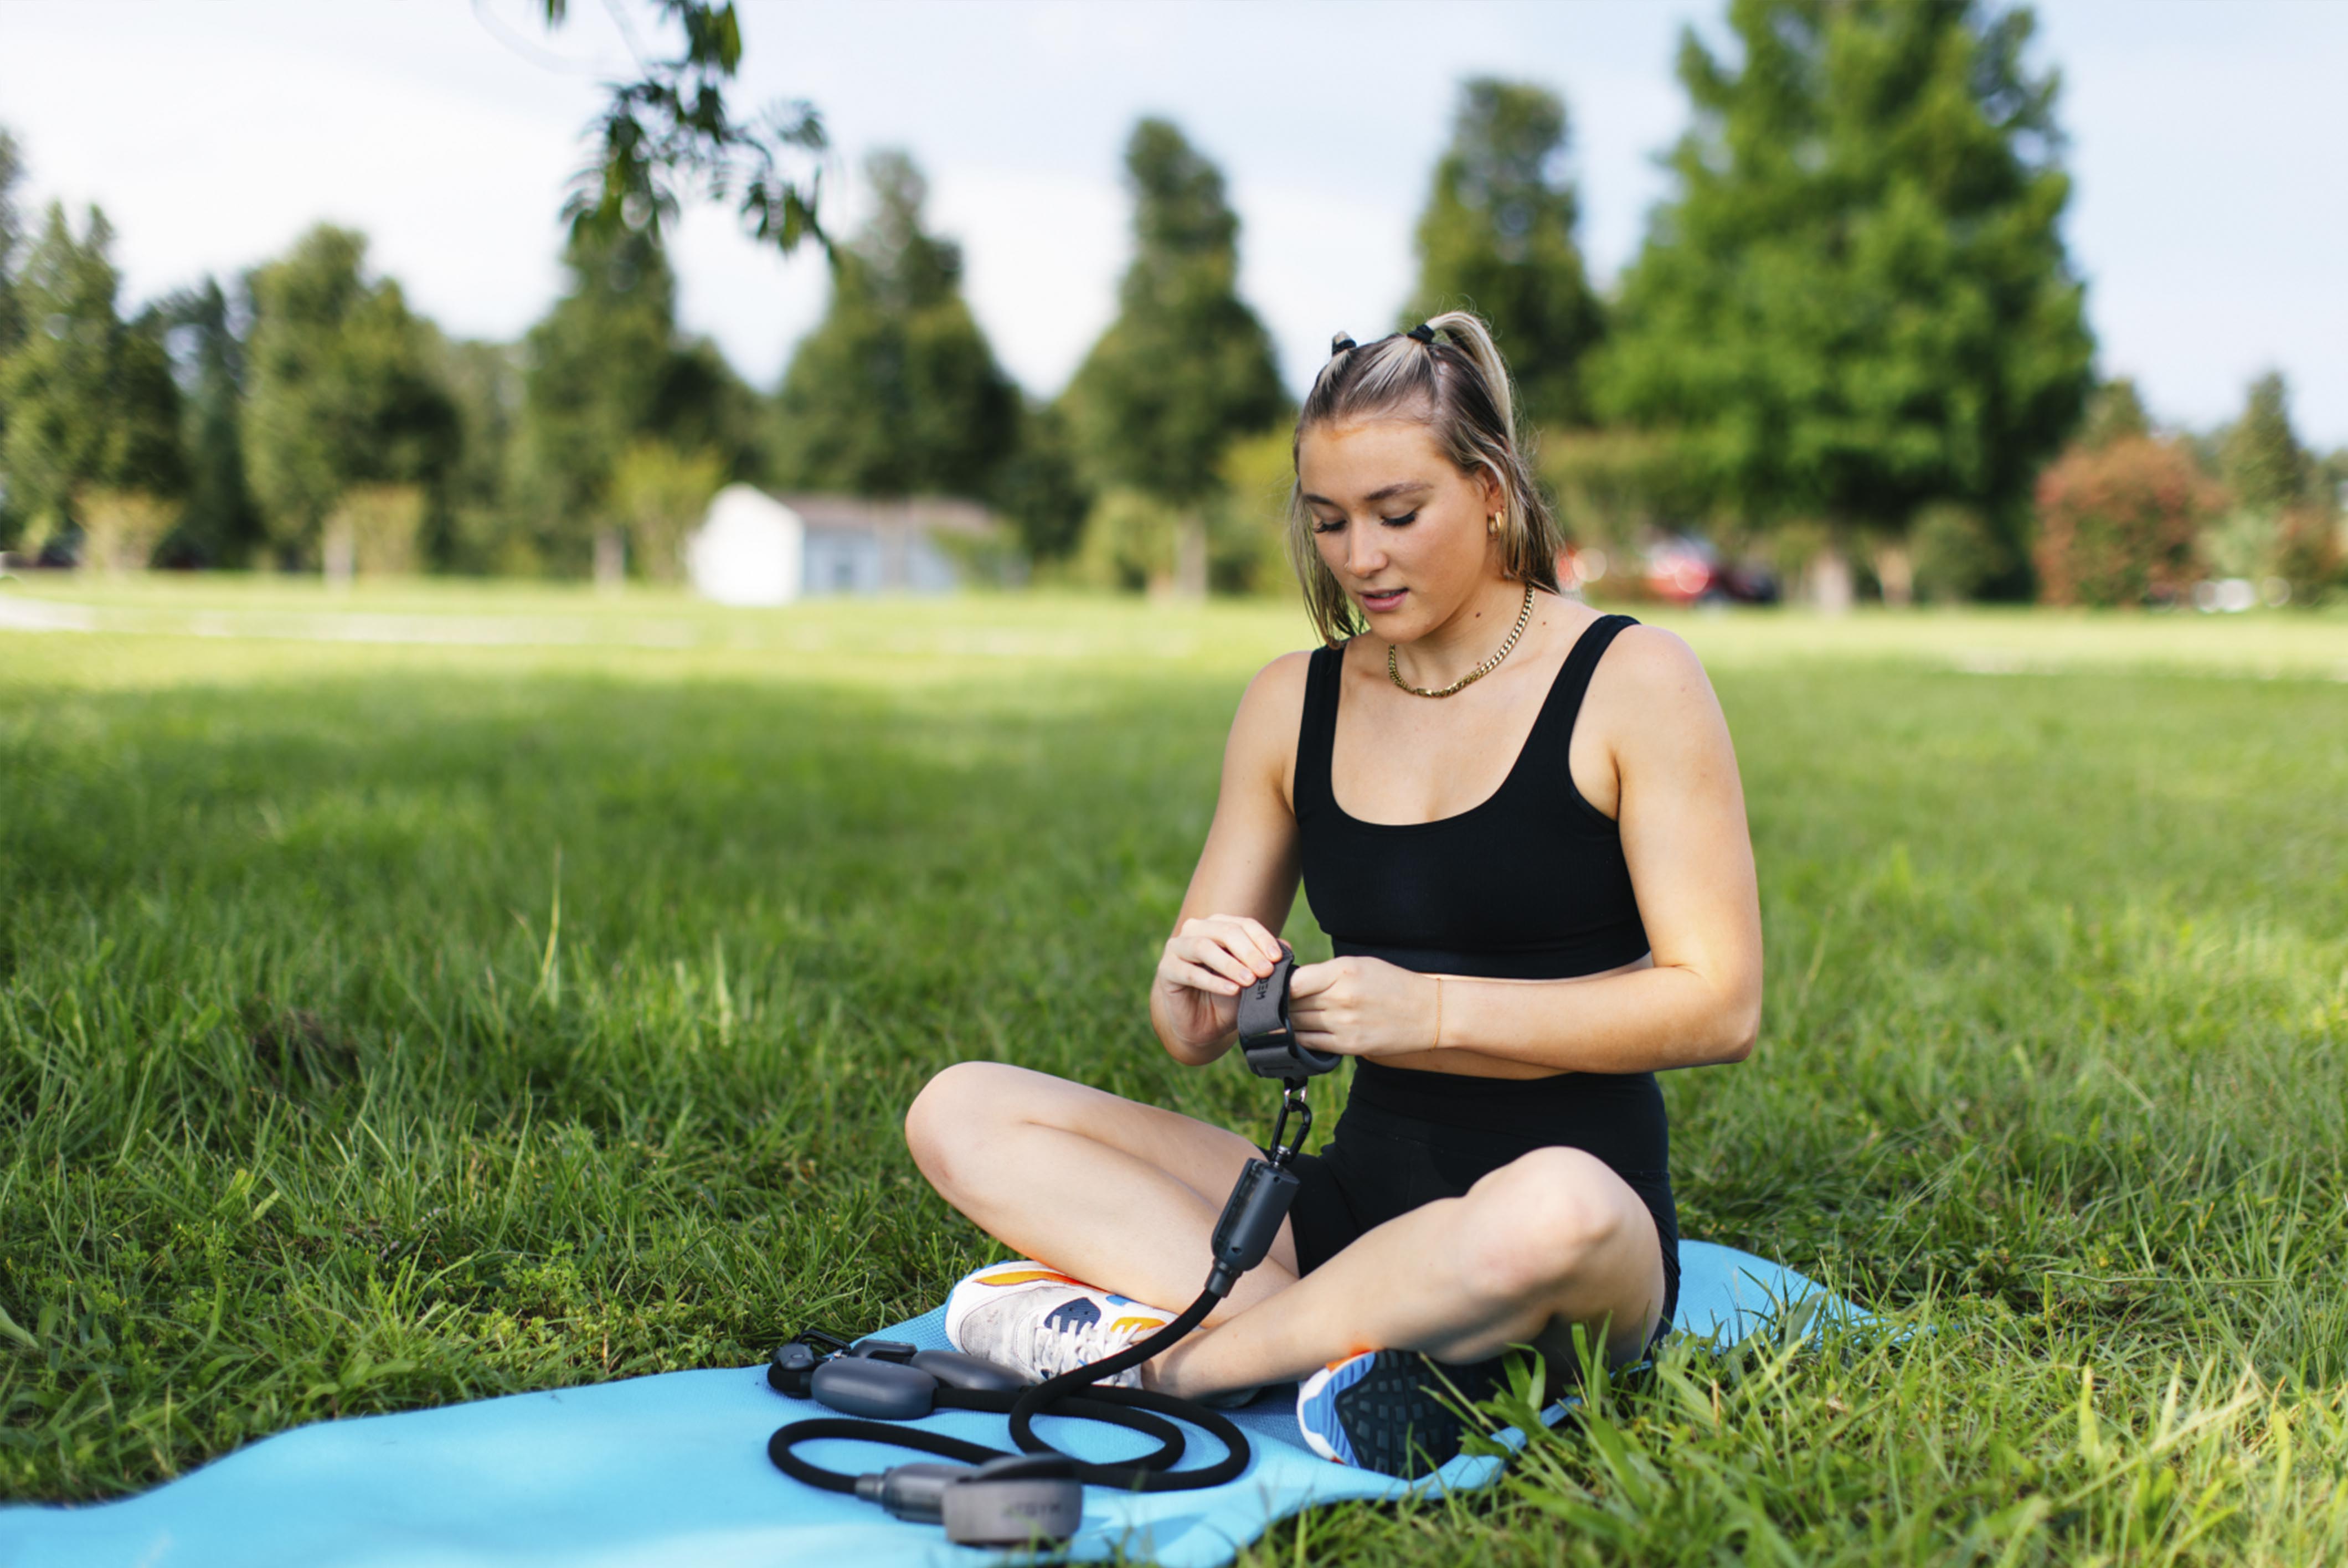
(2205, 143)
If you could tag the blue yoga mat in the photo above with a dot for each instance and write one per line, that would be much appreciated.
(671, 1472)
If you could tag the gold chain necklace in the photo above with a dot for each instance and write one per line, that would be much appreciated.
(1393, 672)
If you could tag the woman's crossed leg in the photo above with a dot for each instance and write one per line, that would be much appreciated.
(1126, 1196)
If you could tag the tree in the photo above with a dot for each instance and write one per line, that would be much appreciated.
(91, 403)
(343, 390)
(2115, 413)
(2260, 455)
(660, 493)
(671, 132)
(1496, 238)
(604, 369)
(1041, 487)
(12, 238)
(219, 523)
(2284, 522)
(1186, 367)
(484, 382)
(1858, 303)
(896, 392)
(11, 169)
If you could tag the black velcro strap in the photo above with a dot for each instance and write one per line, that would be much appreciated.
(1266, 1037)
(1264, 1007)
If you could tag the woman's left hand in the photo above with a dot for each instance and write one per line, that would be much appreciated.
(1361, 1007)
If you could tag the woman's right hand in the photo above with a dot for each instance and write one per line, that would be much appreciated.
(1200, 974)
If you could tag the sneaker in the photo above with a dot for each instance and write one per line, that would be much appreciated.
(1385, 1410)
(1040, 1323)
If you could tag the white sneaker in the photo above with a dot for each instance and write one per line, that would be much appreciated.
(1036, 1320)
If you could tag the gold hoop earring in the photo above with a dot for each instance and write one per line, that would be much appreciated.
(1492, 524)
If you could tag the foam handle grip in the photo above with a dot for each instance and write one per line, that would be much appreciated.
(1266, 1037)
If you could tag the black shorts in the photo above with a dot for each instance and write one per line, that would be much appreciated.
(1408, 1138)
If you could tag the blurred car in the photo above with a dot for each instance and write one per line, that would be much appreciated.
(1681, 568)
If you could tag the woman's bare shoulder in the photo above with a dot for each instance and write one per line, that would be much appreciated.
(1263, 732)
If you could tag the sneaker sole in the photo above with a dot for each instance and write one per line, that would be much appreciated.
(1381, 1412)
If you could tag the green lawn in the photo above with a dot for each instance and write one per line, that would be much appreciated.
(527, 992)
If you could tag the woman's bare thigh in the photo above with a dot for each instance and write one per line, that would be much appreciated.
(976, 1096)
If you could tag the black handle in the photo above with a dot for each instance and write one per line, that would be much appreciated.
(1266, 1037)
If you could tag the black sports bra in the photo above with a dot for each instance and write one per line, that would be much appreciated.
(1530, 884)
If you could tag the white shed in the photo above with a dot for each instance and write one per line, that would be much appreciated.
(757, 548)
(749, 549)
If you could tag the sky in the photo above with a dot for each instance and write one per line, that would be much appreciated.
(2206, 220)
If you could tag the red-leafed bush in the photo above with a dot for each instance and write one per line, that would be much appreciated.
(2116, 523)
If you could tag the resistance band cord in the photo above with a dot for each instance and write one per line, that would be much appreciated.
(1251, 1220)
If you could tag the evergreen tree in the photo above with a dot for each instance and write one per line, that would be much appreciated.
(896, 392)
(1041, 487)
(342, 388)
(1859, 303)
(1496, 238)
(604, 370)
(219, 523)
(2261, 456)
(1186, 367)
(484, 382)
(12, 239)
(90, 399)
(2115, 413)
(12, 235)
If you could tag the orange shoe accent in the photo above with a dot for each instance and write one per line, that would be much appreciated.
(1032, 1276)
(1124, 1323)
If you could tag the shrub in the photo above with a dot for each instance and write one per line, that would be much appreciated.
(375, 529)
(120, 528)
(661, 494)
(2116, 524)
(1956, 553)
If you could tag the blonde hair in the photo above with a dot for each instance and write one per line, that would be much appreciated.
(1458, 386)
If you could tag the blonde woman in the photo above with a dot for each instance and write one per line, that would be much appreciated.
(1521, 823)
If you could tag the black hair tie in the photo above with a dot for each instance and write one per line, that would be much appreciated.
(1341, 343)
(1422, 332)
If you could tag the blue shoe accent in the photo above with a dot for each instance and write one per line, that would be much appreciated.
(1074, 1313)
(1316, 1406)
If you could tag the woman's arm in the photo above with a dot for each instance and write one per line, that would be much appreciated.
(1680, 809)
(1228, 931)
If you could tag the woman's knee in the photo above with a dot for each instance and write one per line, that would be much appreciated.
(1536, 1223)
(956, 1110)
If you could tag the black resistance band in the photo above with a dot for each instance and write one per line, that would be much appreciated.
(1034, 1494)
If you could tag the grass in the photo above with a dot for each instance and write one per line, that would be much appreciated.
(389, 1024)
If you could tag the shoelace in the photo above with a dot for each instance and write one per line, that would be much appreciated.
(1064, 1346)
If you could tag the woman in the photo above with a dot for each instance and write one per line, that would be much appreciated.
(1521, 825)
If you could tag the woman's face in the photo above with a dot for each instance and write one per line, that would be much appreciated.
(1401, 529)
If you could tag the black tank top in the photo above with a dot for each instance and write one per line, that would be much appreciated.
(1531, 884)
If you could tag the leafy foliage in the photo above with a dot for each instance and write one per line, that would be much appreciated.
(90, 399)
(1957, 553)
(219, 524)
(1040, 485)
(1186, 367)
(896, 392)
(1859, 303)
(2115, 413)
(12, 239)
(671, 133)
(1496, 238)
(342, 388)
(2117, 523)
(605, 369)
(661, 494)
